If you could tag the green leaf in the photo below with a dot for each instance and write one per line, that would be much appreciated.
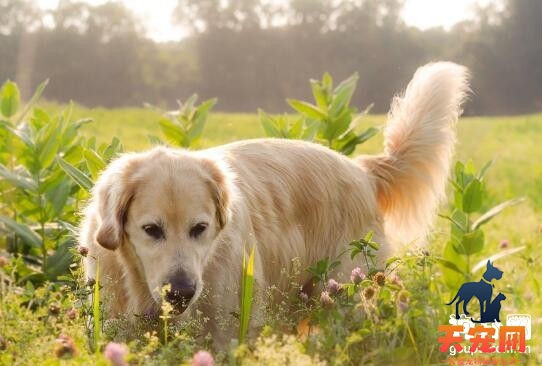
(37, 95)
(77, 175)
(173, 132)
(343, 94)
(327, 82)
(155, 140)
(453, 263)
(23, 231)
(17, 179)
(296, 129)
(484, 169)
(306, 109)
(459, 224)
(49, 144)
(10, 99)
(472, 197)
(247, 283)
(320, 95)
(94, 162)
(338, 125)
(269, 124)
(449, 264)
(471, 243)
(486, 217)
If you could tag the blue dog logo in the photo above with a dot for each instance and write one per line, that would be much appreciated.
(482, 290)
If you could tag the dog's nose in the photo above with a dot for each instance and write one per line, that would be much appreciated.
(181, 292)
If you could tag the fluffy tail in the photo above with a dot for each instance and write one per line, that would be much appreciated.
(419, 141)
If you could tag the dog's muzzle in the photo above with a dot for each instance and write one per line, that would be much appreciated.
(182, 291)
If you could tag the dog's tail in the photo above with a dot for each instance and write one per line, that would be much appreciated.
(451, 302)
(419, 143)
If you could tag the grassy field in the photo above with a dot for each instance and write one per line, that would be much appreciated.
(513, 143)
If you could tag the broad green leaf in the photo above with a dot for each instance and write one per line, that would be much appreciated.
(311, 128)
(59, 262)
(453, 263)
(37, 95)
(343, 94)
(173, 132)
(17, 179)
(327, 82)
(10, 99)
(338, 125)
(306, 109)
(494, 211)
(188, 105)
(296, 129)
(114, 148)
(94, 162)
(77, 175)
(472, 197)
(471, 243)
(269, 125)
(22, 231)
(459, 224)
(458, 170)
(48, 147)
(155, 141)
(320, 95)
(57, 196)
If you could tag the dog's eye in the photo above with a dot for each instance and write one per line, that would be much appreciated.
(154, 231)
(198, 229)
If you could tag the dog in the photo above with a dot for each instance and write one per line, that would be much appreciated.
(492, 313)
(186, 218)
(482, 290)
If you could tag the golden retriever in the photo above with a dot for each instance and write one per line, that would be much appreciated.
(185, 218)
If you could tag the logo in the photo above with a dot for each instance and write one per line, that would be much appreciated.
(481, 339)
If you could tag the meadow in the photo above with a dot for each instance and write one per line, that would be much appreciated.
(403, 329)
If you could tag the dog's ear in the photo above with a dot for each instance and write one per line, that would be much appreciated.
(488, 264)
(219, 186)
(112, 194)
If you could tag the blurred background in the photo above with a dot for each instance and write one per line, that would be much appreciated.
(255, 53)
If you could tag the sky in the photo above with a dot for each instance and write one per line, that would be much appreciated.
(423, 14)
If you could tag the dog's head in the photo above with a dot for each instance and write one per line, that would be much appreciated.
(492, 272)
(164, 210)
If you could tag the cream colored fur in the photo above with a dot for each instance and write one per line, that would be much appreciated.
(290, 199)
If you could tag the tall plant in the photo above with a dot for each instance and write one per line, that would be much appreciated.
(331, 121)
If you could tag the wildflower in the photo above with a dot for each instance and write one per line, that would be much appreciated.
(504, 244)
(402, 301)
(369, 293)
(91, 282)
(332, 287)
(203, 358)
(71, 314)
(357, 275)
(303, 297)
(326, 300)
(82, 250)
(380, 279)
(54, 308)
(65, 347)
(3, 261)
(115, 353)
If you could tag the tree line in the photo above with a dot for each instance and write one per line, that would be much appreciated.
(254, 54)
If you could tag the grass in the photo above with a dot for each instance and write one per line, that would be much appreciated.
(32, 320)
